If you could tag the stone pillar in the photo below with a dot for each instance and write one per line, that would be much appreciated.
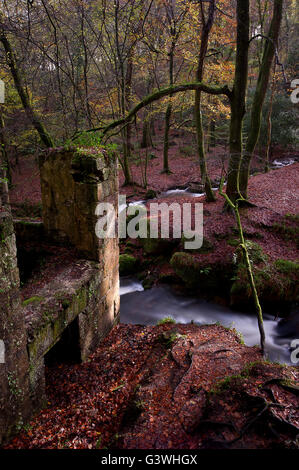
(73, 182)
(15, 403)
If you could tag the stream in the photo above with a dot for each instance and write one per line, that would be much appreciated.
(178, 192)
(150, 306)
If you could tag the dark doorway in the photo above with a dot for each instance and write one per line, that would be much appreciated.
(67, 349)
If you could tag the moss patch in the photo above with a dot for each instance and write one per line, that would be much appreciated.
(276, 283)
(33, 300)
(206, 247)
(127, 264)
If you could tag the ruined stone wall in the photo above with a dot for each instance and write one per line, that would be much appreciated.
(15, 404)
(73, 183)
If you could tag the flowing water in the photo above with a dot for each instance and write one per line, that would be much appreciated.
(150, 306)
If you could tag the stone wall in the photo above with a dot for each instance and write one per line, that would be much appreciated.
(73, 182)
(85, 294)
(15, 404)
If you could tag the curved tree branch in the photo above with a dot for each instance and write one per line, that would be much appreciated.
(171, 90)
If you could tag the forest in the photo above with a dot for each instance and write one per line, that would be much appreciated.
(131, 130)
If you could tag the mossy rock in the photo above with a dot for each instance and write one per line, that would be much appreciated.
(150, 194)
(128, 250)
(148, 283)
(127, 264)
(157, 246)
(187, 268)
(198, 274)
(277, 285)
(206, 247)
(152, 245)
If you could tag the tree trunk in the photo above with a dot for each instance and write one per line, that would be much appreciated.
(128, 94)
(166, 139)
(3, 145)
(269, 123)
(145, 142)
(34, 118)
(206, 28)
(168, 114)
(259, 96)
(238, 100)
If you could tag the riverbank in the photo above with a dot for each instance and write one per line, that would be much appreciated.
(216, 271)
(168, 387)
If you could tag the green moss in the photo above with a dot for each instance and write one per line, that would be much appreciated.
(153, 246)
(288, 228)
(168, 338)
(186, 268)
(256, 253)
(148, 283)
(33, 300)
(206, 247)
(233, 242)
(166, 321)
(292, 217)
(128, 250)
(127, 264)
(226, 384)
(151, 194)
(275, 282)
(287, 267)
(191, 271)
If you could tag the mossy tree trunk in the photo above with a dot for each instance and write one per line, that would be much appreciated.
(123, 78)
(145, 141)
(269, 122)
(238, 100)
(3, 149)
(156, 96)
(260, 93)
(17, 77)
(235, 207)
(148, 127)
(168, 113)
(206, 29)
(128, 94)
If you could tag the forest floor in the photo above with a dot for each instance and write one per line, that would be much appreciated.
(168, 387)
